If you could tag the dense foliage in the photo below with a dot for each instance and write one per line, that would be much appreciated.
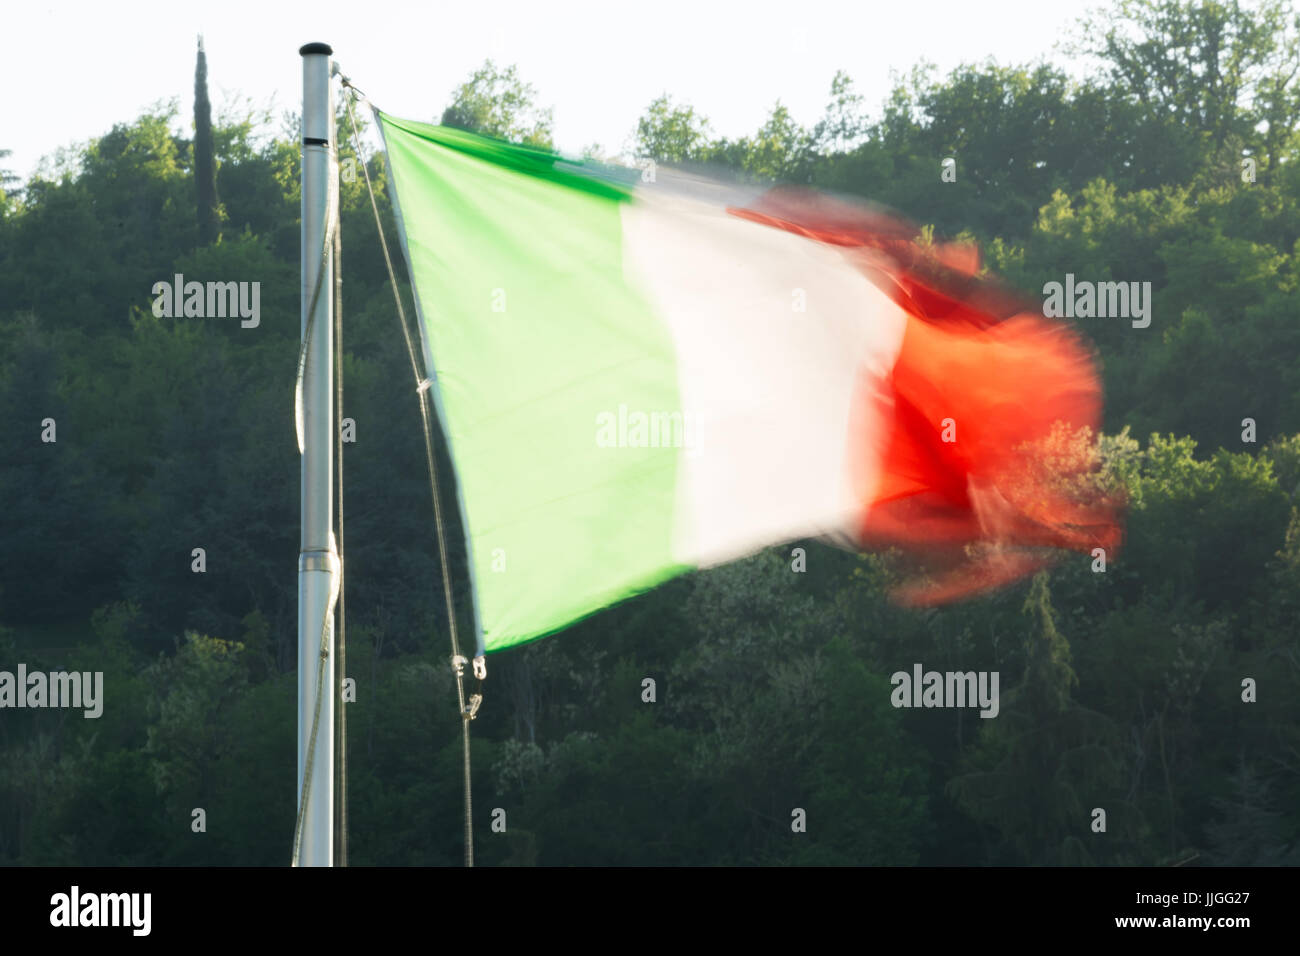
(1121, 690)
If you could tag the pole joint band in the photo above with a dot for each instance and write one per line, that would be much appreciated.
(317, 559)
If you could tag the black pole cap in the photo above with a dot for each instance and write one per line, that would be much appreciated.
(311, 48)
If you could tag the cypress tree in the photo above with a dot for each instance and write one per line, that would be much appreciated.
(205, 167)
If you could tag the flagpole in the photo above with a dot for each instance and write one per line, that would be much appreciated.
(317, 559)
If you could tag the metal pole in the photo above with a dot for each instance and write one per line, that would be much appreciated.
(318, 559)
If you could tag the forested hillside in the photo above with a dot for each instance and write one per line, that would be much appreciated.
(1175, 162)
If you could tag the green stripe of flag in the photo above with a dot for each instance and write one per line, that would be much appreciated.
(517, 261)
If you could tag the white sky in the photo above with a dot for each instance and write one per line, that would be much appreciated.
(75, 69)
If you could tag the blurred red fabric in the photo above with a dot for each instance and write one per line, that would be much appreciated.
(989, 461)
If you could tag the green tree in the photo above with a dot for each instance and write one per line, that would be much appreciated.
(779, 149)
(1046, 761)
(48, 542)
(496, 102)
(7, 181)
(1250, 830)
(844, 123)
(668, 133)
(205, 171)
(1214, 78)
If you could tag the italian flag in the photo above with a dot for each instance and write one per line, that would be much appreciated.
(642, 372)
